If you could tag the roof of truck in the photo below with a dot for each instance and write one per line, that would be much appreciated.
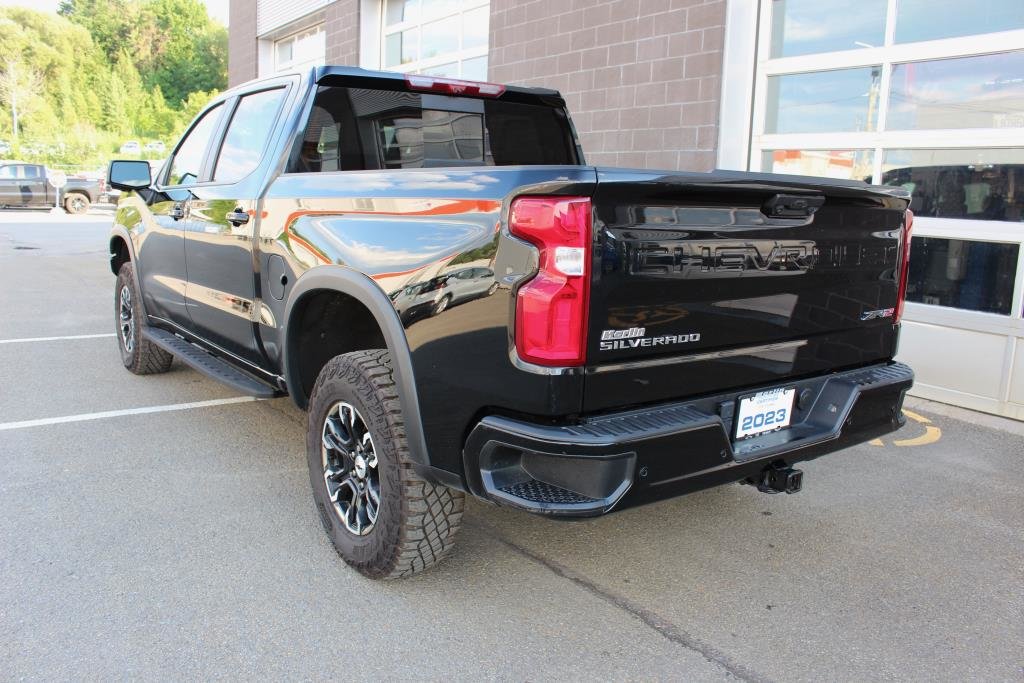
(331, 71)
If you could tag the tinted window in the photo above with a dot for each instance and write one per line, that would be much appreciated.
(355, 128)
(979, 184)
(20, 172)
(977, 276)
(247, 135)
(431, 138)
(188, 159)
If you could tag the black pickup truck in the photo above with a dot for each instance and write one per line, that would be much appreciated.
(27, 186)
(462, 305)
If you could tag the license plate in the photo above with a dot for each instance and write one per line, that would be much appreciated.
(765, 411)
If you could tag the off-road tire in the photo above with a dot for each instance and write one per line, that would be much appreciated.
(417, 520)
(76, 203)
(145, 357)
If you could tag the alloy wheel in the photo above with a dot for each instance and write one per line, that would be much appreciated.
(350, 468)
(125, 322)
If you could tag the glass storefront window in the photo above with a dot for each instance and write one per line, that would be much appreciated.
(986, 91)
(436, 37)
(475, 69)
(932, 19)
(823, 101)
(300, 50)
(400, 48)
(967, 274)
(802, 27)
(439, 37)
(979, 184)
(400, 10)
(474, 27)
(845, 164)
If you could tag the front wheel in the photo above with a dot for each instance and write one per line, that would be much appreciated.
(139, 355)
(76, 203)
(443, 304)
(383, 519)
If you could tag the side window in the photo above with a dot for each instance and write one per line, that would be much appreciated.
(7, 172)
(188, 159)
(247, 135)
(33, 171)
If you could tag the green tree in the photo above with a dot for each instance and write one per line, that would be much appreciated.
(83, 80)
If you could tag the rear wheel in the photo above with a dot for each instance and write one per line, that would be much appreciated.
(383, 518)
(76, 203)
(140, 356)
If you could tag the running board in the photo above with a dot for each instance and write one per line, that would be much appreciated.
(209, 365)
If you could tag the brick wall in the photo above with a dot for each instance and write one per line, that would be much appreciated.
(642, 78)
(342, 27)
(241, 41)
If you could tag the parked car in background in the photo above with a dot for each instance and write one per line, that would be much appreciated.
(434, 296)
(155, 146)
(25, 185)
(131, 147)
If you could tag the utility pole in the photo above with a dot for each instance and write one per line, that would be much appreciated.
(12, 79)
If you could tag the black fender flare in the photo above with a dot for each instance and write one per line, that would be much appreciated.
(119, 231)
(362, 288)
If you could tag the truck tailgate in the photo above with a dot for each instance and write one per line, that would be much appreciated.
(703, 282)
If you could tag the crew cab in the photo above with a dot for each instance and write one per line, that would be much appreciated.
(25, 185)
(625, 335)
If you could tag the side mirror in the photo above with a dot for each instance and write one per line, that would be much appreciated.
(129, 175)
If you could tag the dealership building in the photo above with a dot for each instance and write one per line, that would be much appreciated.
(925, 94)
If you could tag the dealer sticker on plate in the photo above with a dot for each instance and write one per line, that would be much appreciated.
(765, 411)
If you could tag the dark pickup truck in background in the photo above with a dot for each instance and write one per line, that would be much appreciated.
(625, 335)
(25, 185)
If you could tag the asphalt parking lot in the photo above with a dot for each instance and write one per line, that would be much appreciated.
(183, 543)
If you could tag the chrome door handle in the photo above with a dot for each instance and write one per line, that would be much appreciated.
(177, 212)
(237, 217)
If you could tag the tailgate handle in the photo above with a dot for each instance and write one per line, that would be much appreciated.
(792, 205)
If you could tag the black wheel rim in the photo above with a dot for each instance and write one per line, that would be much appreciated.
(350, 468)
(125, 322)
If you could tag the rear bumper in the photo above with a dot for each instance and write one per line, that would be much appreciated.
(618, 460)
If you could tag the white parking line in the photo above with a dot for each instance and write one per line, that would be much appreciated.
(27, 340)
(24, 424)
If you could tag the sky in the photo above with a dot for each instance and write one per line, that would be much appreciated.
(218, 9)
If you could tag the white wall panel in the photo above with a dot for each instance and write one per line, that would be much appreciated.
(273, 14)
(971, 362)
(1017, 375)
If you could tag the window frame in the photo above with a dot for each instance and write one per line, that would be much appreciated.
(233, 103)
(165, 172)
(293, 64)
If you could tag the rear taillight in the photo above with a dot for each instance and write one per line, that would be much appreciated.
(452, 86)
(551, 308)
(905, 237)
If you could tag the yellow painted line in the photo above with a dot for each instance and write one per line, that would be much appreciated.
(931, 435)
(917, 418)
